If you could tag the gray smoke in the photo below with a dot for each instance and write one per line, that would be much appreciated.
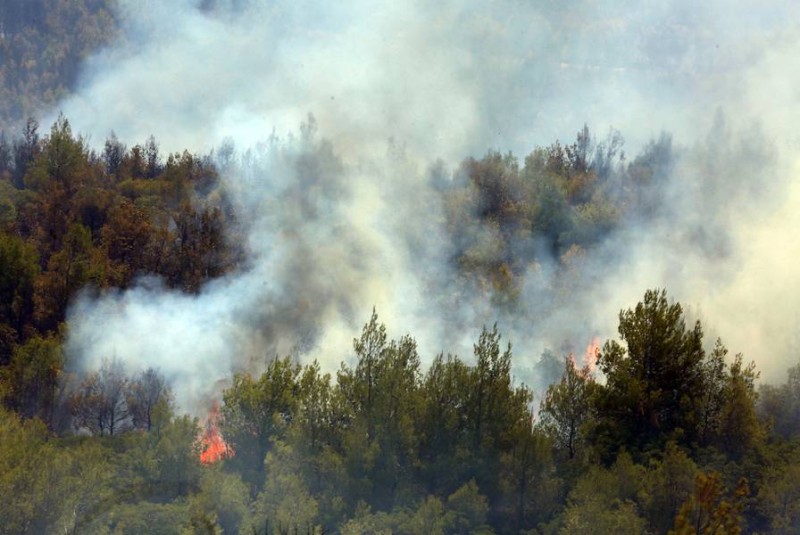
(335, 228)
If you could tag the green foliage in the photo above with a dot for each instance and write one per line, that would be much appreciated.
(445, 447)
(147, 517)
(648, 396)
(285, 499)
(387, 449)
(604, 500)
(778, 499)
(740, 431)
(668, 484)
(45, 487)
(19, 269)
(257, 412)
(224, 497)
(594, 518)
(469, 509)
(31, 378)
(380, 397)
(779, 405)
(566, 408)
(382, 446)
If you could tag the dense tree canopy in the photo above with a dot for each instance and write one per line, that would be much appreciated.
(667, 433)
(42, 44)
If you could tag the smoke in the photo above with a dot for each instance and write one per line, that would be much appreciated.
(335, 228)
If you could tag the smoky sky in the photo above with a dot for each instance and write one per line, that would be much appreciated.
(347, 219)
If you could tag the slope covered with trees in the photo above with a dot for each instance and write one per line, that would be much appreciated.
(667, 433)
(42, 46)
(387, 446)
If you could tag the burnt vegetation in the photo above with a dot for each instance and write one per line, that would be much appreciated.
(669, 433)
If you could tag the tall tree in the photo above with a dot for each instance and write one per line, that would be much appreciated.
(113, 154)
(780, 404)
(740, 430)
(445, 445)
(152, 157)
(25, 151)
(19, 268)
(566, 407)
(31, 378)
(100, 404)
(148, 396)
(256, 413)
(652, 382)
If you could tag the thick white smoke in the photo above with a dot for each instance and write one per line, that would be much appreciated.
(445, 80)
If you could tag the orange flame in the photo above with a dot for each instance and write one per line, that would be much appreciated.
(213, 446)
(592, 354)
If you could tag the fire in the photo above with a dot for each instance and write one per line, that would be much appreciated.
(213, 446)
(592, 354)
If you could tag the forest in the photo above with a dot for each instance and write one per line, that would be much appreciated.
(661, 429)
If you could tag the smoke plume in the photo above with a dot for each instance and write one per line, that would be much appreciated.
(341, 213)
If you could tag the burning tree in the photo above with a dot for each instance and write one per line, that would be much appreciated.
(212, 444)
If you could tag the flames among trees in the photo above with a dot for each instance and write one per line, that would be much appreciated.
(213, 447)
(384, 444)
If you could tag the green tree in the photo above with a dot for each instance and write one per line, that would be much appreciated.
(31, 379)
(713, 395)
(469, 509)
(651, 382)
(48, 488)
(445, 447)
(19, 268)
(528, 490)
(498, 425)
(430, 517)
(143, 517)
(360, 385)
(668, 484)
(285, 500)
(225, 497)
(778, 497)
(315, 435)
(492, 382)
(398, 409)
(605, 500)
(566, 407)
(382, 401)
(177, 455)
(255, 413)
(779, 405)
(68, 270)
(740, 430)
